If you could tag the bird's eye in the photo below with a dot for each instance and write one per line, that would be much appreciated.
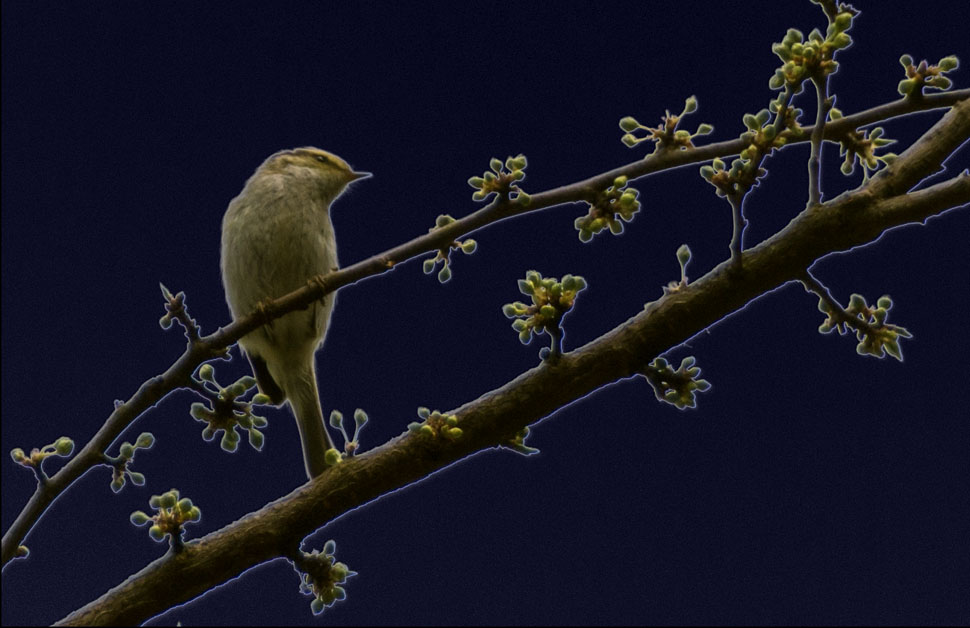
(322, 159)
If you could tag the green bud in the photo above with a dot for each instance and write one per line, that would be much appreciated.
(690, 105)
(948, 64)
(126, 450)
(208, 433)
(156, 533)
(776, 81)
(843, 21)
(194, 514)
(256, 438)
(207, 373)
(444, 274)
(167, 500)
(526, 287)
(336, 419)
(332, 457)
(629, 140)
(165, 322)
(476, 182)
(523, 199)
(495, 165)
(750, 121)
(519, 325)
(155, 501)
(316, 606)
(138, 479)
(520, 162)
(704, 129)
(18, 455)
(682, 135)
(228, 443)
(236, 390)
(339, 572)
(629, 124)
(479, 196)
(707, 172)
(426, 430)
(884, 302)
(117, 483)
(139, 518)
(428, 266)
(468, 246)
(443, 220)
(145, 440)
(525, 336)
(842, 40)
(585, 235)
(906, 61)
(547, 311)
(683, 254)
(423, 412)
(63, 446)
(906, 86)
(620, 181)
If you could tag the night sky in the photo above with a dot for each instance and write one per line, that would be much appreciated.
(811, 485)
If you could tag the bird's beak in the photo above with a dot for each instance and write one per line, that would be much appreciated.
(358, 175)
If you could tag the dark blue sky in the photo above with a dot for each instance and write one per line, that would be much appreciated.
(810, 486)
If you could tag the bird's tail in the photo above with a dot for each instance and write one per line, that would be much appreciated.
(301, 391)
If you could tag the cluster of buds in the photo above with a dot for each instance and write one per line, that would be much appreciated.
(812, 58)
(925, 75)
(227, 412)
(171, 515)
(517, 443)
(736, 181)
(551, 300)
(501, 179)
(860, 145)
(322, 576)
(444, 254)
(667, 135)
(607, 209)
(337, 421)
(436, 423)
(63, 447)
(175, 311)
(126, 453)
(676, 387)
(875, 336)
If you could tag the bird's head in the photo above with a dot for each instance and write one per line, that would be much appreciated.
(327, 169)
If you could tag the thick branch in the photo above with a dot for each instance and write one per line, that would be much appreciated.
(850, 220)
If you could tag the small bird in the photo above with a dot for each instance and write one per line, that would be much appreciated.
(276, 235)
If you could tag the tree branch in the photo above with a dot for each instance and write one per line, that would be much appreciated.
(215, 345)
(852, 219)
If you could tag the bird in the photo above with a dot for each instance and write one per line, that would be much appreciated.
(277, 235)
